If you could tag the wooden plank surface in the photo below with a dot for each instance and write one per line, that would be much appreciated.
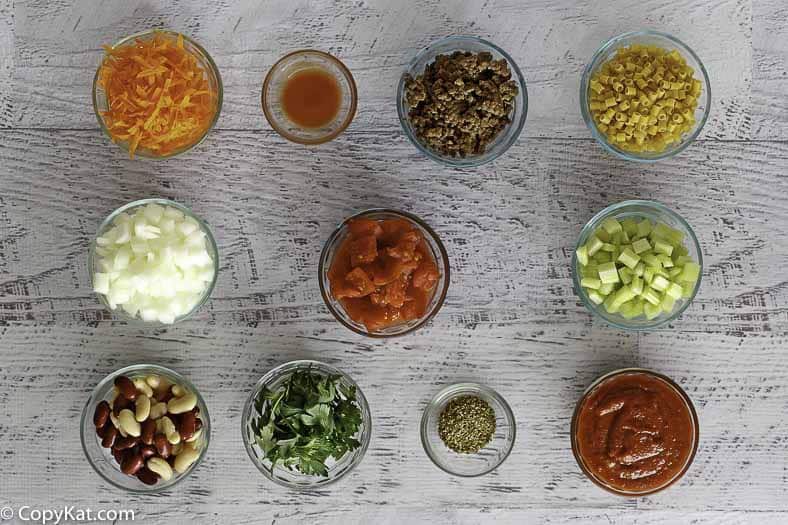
(511, 319)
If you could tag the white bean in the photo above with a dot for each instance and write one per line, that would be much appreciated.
(142, 386)
(167, 426)
(174, 438)
(128, 423)
(177, 390)
(142, 408)
(160, 467)
(116, 424)
(195, 437)
(185, 459)
(176, 449)
(158, 410)
(179, 405)
(153, 381)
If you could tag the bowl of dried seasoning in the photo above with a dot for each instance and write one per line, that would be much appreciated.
(468, 429)
(462, 101)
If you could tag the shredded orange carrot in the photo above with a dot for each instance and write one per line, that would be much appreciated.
(158, 95)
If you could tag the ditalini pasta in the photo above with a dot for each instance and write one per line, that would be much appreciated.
(643, 99)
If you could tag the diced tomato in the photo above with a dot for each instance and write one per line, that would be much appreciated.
(360, 227)
(363, 250)
(405, 249)
(426, 275)
(356, 284)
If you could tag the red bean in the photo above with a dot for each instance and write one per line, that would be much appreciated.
(162, 445)
(125, 443)
(148, 451)
(101, 415)
(147, 476)
(119, 404)
(147, 432)
(132, 462)
(110, 434)
(126, 387)
(188, 425)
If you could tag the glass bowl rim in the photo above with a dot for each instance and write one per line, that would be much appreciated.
(212, 66)
(589, 228)
(326, 294)
(476, 160)
(147, 367)
(306, 364)
(671, 383)
(353, 97)
(119, 312)
(586, 78)
(452, 391)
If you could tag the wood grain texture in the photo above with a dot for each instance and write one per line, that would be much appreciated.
(511, 319)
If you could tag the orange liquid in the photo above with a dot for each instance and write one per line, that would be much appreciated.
(311, 98)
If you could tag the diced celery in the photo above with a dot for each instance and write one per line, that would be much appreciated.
(690, 273)
(680, 250)
(590, 282)
(674, 291)
(648, 274)
(641, 245)
(607, 247)
(606, 288)
(673, 273)
(629, 259)
(667, 304)
(624, 237)
(608, 304)
(644, 228)
(602, 235)
(661, 246)
(608, 272)
(593, 245)
(582, 255)
(659, 283)
(651, 310)
(630, 226)
(601, 257)
(651, 296)
(636, 285)
(623, 295)
(681, 260)
(651, 260)
(611, 225)
(595, 297)
(686, 291)
(625, 274)
(662, 231)
(633, 309)
(666, 261)
(640, 268)
(591, 270)
(616, 238)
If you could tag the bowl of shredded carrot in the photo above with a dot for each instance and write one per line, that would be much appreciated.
(157, 94)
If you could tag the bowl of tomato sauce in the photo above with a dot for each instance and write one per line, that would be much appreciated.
(384, 273)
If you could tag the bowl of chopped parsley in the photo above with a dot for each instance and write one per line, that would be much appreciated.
(306, 424)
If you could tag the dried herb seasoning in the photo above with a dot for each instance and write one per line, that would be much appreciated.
(467, 424)
(461, 102)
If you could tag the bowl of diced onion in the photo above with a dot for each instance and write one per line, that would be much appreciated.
(637, 265)
(645, 96)
(153, 261)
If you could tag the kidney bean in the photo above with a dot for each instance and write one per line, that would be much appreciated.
(119, 404)
(132, 462)
(197, 424)
(109, 436)
(147, 476)
(101, 415)
(148, 451)
(147, 432)
(125, 443)
(188, 425)
(164, 396)
(126, 387)
(162, 445)
(118, 455)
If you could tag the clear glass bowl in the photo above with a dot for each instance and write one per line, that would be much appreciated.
(488, 458)
(204, 60)
(573, 432)
(664, 41)
(505, 138)
(656, 212)
(284, 69)
(438, 253)
(101, 459)
(292, 478)
(211, 245)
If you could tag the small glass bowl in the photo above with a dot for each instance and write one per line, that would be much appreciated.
(107, 224)
(283, 70)
(204, 60)
(438, 253)
(576, 450)
(505, 138)
(656, 212)
(292, 478)
(488, 458)
(665, 41)
(101, 459)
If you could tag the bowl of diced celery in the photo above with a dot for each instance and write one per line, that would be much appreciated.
(637, 265)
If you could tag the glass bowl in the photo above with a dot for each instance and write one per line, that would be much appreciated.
(211, 245)
(293, 478)
(689, 406)
(487, 459)
(204, 60)
(665, 41)
(505, 138)
(438, 253)
(294, 63)
(656, 212)
(101, 459)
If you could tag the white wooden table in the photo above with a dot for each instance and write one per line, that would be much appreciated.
(511, 319)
